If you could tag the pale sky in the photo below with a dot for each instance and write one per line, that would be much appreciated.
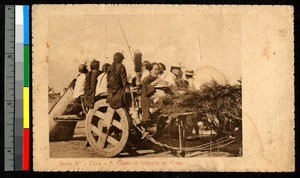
(194, 40)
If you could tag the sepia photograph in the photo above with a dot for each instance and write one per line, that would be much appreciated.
(145, 86)
(151, 87)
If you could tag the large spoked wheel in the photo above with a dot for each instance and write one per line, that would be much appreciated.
(107, 129)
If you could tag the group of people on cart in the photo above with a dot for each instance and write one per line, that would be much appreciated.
(156, 84)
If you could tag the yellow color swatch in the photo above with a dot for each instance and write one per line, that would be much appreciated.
(26, 107)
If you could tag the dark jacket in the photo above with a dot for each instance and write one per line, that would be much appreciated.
(116, 84)
(90, 88)
(147, 91)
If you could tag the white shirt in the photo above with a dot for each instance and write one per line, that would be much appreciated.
(145, 73)
(191, 83)
(79, 86)
(101, 84)
(163, 75)
(158, 94)
(170, 78)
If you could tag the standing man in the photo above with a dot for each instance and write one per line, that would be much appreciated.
(90, 84)
(117, 85)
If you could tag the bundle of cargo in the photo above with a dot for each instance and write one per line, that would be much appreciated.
(219, 105)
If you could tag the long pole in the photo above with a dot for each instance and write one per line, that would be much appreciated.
(125, 39)
(105, 40)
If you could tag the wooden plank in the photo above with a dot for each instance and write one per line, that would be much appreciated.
(117, 124)
(68, 118)
(96, 130)
(112, 141)
(100, 115)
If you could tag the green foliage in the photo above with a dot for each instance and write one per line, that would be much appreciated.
(212, 98)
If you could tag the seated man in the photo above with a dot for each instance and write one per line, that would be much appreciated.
(148, 90)
(190, 79)
(90, 85)
(181, 83)
(80, 81)
(78, 86)
(151, 98)
(172, 76)
(163, 73)
(101, 87)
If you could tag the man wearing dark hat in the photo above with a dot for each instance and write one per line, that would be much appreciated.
(90, 84)
(117, 85)
(189, 77)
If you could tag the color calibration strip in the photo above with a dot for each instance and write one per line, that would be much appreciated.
(22, 88)
(17, 88)
(26, 108)
(19, 68)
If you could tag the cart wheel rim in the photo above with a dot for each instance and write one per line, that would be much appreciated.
(107, 129)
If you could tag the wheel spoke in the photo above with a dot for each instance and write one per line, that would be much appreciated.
(102, 140)
(100, 114)
(109, 113)
(112, 140)
(117, 124)
(96, 130)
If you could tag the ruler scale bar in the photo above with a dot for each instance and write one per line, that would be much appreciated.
(9, 57)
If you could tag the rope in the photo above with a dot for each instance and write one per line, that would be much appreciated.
(219, 143)
(202, 147)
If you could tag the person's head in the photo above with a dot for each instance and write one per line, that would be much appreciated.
(82, 69)
(95, 65)
(189, 74)
(180, 74)
(105, 67)
(146, 65)
(162, 67)
(175, 70)
(118, 58)
(154, 69)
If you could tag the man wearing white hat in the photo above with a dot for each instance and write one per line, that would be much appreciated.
(174, 72)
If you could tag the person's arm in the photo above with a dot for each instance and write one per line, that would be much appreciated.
(86, 85)
(107, 75)
(155, 82)
(146, 83)
(93, 82)
(123, 75)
